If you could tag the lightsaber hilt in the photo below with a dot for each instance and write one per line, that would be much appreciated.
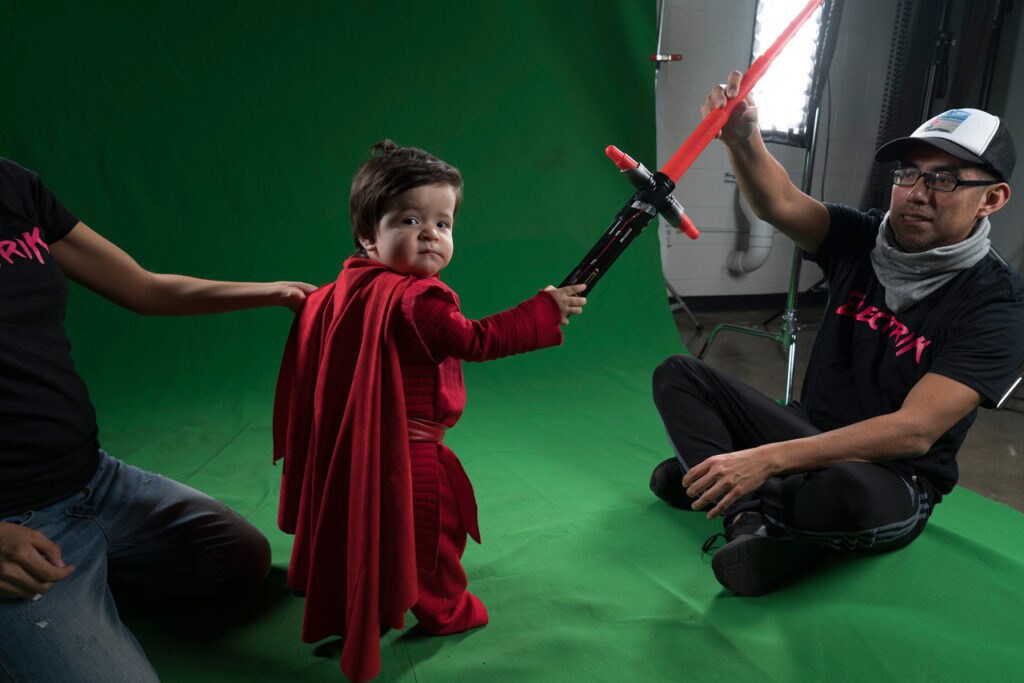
(653, 195)
(668, 206)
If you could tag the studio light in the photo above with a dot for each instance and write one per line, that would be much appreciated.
(785, 97)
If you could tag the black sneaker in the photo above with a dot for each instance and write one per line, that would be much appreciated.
(667, 484)
(755, 562)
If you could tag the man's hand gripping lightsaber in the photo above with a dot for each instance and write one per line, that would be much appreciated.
(653, 194)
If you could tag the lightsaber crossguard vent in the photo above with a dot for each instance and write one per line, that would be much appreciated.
(654, 190)
(653, 196)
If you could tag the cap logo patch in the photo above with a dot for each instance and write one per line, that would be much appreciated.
(946, 122)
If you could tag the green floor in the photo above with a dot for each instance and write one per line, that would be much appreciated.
(586, 576)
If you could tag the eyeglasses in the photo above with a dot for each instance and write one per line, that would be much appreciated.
(940, 181)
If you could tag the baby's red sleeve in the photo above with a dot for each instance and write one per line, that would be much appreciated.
(433, 311)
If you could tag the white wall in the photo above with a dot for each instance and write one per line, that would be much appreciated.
(714, 37)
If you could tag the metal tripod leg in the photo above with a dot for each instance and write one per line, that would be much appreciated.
(680, 304)
(1009, 392)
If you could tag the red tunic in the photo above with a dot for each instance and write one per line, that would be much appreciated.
(366, 353)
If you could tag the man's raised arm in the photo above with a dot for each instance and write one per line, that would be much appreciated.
(762, 179)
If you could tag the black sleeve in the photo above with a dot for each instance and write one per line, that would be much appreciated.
(851, 232)
(24, 189)
(54, 218)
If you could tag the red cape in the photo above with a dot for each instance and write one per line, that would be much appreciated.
(346, 483)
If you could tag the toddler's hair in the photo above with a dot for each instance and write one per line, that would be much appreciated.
(390, 171)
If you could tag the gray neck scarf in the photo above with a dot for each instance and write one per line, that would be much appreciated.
(908, 278)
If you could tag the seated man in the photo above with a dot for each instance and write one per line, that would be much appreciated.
(923, 325)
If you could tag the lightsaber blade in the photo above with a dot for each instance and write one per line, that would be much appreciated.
(706, 131)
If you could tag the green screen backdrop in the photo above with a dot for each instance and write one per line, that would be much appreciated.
(218, 139)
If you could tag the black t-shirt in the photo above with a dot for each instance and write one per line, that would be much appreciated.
(48, 435)
(866, 358)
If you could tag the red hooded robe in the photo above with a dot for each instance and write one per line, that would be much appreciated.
(348, 487)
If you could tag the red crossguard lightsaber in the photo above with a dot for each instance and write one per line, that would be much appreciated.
(654, 190)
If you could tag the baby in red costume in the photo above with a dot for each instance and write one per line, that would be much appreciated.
(370, 381)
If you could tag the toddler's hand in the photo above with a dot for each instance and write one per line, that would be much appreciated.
(568, 302)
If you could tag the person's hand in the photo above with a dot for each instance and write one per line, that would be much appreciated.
(743, 121)
(30, 563)
(723, 479)
(293, 294)
(567, 301)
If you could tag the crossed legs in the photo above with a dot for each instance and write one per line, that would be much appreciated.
(844, 506)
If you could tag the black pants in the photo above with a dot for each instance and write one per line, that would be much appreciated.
(845, 506)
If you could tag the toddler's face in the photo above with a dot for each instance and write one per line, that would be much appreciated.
(414, 235)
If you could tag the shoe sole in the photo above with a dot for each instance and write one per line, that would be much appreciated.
(755, 565)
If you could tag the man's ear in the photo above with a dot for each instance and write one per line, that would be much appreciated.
(995, 198)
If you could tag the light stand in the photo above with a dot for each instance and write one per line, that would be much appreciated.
(802, 134)
(786, 336)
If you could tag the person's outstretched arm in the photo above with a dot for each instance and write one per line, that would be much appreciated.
(762, 179)
(531, 325)
(94, 262)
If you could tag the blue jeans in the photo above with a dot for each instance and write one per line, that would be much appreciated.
(127, 532)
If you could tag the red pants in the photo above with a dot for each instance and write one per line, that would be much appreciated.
(445, 606)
